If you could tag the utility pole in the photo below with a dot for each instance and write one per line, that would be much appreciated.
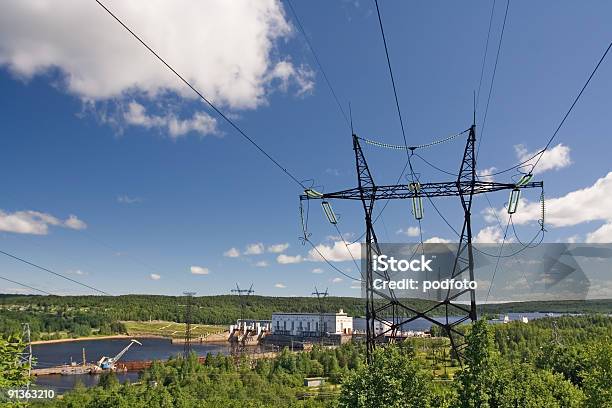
(466, 186)
(243, 295)
(187, 345)
(320, 299)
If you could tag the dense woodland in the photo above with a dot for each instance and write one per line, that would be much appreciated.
(554, 362)
(82, 315)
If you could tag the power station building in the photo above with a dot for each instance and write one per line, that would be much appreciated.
(307, 324)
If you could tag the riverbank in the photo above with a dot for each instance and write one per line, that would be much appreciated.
(87, 338)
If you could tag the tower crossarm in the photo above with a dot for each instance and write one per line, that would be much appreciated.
(404, 191)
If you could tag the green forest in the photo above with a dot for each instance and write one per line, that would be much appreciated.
(82, 315)
(552, 362)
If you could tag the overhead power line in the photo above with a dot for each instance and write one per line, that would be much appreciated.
(499, 46)
(42, 268)
(201, 96)
(540, 153)
(484, 58)
(26, 286)
(399, 112)
(316, 58)
(573, 104)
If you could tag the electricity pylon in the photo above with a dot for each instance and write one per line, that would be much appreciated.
(320, 298)
(466, 186)
(25, 356)
(187, 345)
(242, 297)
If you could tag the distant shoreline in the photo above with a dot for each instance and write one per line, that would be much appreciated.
(115, 336)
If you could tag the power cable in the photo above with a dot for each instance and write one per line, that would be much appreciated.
(572, 106)
(499, 45)
(54, 273)
(199, 94)
(540, 153)
(484, 58)
(26, 286)
(316, 58)
(397, 105)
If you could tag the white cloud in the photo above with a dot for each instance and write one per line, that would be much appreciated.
(232, 253)
(317, 270)
(280, 285)
(226, 49)
(333, 172)
(437, 240)
(278, 248)
(593, 203)
(410, 231)
(261, 264)
(36, 223)
(553, 158)
(74, 223)
(199, 270)
(336, 252)
(200, 122)
(125, 199)
(487, 174)
(289, 259)
(336, 280)
(254, 249)
(489, 235)
(155, 276)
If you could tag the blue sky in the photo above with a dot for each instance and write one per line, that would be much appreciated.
(95, 128)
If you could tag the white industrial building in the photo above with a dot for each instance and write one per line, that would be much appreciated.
(307, 324)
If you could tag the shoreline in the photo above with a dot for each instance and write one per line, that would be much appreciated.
(110, 337)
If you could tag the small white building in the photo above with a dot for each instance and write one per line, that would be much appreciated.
(307, 324)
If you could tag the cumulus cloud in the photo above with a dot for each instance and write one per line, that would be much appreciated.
(155, 276)
(199, 270)
(487, 174)
(589, 204)
(335, 252)
(232, 253)
(280, 285)
(489, 235)
(103, 62)
(36, 223)
(289, 259)
(317, 270)
(261, 264)
(410, 231)
(201, 122)
(554, 158)
(437, 240)
(254, 249)
(336, 280)
(278, 248)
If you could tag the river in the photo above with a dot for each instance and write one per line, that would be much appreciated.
(54, 354)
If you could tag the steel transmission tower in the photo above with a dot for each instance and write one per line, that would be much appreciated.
(320, 299)
(389, 311)
(243, 299)
(187, 345)
(26, 355)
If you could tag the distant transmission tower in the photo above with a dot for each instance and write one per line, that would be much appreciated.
(243, 295)
(26, 354)
(390, 311)
(320, 300)
(187, 345)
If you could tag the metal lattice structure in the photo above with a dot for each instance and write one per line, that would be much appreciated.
(187, 344)
(388, 311)
(320, 299)
(243, 295)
